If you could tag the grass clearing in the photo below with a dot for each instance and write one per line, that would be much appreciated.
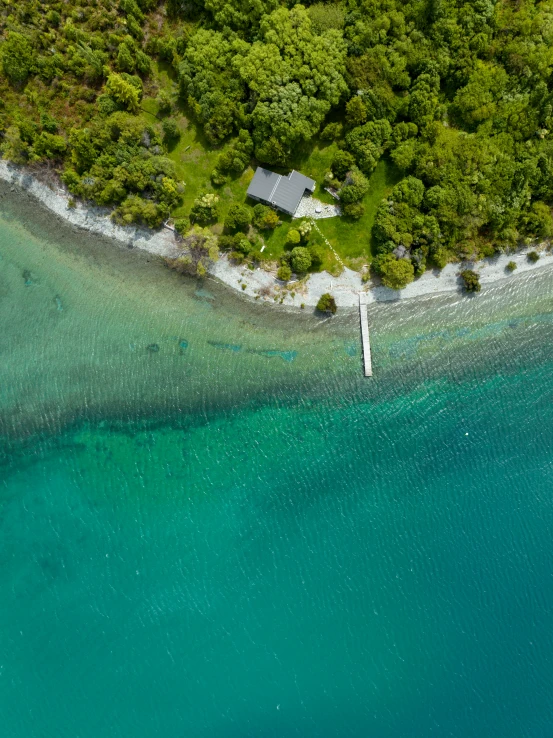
(352, 239)
(195, 159)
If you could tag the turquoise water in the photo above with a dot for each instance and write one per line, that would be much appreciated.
(212, 525)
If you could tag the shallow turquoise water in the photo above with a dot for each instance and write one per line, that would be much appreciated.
(236, 534)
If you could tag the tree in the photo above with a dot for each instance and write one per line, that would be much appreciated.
(533, 256)
(395, 273)
(294, 76)
(341, 164)
(471, 280)
(368, 142)
(511, 266)
(125, 59)
(123, 92)
(356, 111)
(327, 304)
(300, 259)
(238, 217)
(17, 57)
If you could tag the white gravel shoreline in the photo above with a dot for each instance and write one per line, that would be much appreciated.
(258, 283)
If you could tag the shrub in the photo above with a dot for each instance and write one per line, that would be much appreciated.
(236, 256)
(395, 273)
(238, 217)
(327, 304)
(293, 236)
(218, 178)
(354, 210)
(256, 256)
(243, 245)
(226, 243)
(471, 280)
(182, 225)
(205, 208)
(164, 103)
(300, 259)
(317, 255)
(532, 256)
(511, 266)
(305, 228)
(171, 132)
(265, 217)
(355, 188)
(284, 273)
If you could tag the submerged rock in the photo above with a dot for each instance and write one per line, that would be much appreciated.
(153, 347)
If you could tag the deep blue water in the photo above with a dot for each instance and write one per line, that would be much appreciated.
(258, 541)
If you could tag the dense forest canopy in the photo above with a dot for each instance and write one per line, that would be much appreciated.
(458, 95)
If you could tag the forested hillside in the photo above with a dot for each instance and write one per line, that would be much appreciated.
(456, 97)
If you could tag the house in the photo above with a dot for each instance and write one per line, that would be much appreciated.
(283, 192)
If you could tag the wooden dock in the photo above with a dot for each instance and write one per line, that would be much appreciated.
(365, 339)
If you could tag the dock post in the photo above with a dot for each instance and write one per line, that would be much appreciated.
(365, 339)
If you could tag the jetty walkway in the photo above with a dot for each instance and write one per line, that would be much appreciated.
(365, 339)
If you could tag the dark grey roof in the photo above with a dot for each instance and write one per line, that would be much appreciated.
(263, 183)
(284, 192)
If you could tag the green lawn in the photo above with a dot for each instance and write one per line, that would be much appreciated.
(352, 238)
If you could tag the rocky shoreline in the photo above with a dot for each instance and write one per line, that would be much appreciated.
(258, 283)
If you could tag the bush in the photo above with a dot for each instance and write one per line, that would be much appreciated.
(164, 103)
(218, 178)
(238, 217)
(182, 225)
(205, 208)
(511, 266)
(533, 256)
(355, 188)
(471, 280)
(317, 255)
(305, 228)
(327, 304)
(354, 210)
(284, 273)
(242, 245)
(300, 259)
(265, 217)
(395, 273)
(171, 132)
(293, 236)
(226, 243)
